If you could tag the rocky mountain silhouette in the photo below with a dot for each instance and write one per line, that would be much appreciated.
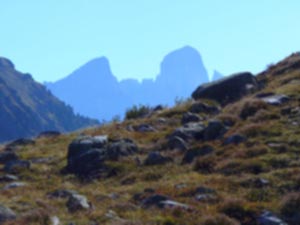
(28, 108)
(95, 92)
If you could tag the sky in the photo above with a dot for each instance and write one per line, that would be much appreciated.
(51, 38)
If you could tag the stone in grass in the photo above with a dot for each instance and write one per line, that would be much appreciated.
(6, 214)
(77, 202)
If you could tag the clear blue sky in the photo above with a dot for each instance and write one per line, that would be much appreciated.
(51, 38)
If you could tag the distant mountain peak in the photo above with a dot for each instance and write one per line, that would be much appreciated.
(6, 63)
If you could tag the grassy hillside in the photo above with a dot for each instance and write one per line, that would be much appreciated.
(234, 183)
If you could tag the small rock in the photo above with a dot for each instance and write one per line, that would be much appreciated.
(54, 220)
(154, 200)
(194, 153)
(77, 202)
(144, 128)
(180, 186)
(255, 183)
(8, 178)
(6, 214)
(173, 204)
(268, 218)
(235, 139)
(276, 99)
(61, 193)
(7, 156)
(190, 117)
(155, 158)
(14, 185)
(176, 142)
(207, 198)
(16, 166)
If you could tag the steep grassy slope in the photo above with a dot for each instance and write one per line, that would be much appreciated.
(27, 108)
(238, 182)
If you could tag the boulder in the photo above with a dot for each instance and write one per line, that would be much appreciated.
(200, 107)
(83, 143)
(176, 142)
(155, 158)
(6, 214)
(86, 155)
(235, 139)
(189, 131)
(7, 156)
(194, 153)
(88, 164)
(228, 89)
(77, 202)
(214, 130)
(122, 147)
(268, 218)
(190, 117)
(16, 166)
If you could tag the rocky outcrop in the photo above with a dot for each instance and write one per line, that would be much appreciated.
(228, 89)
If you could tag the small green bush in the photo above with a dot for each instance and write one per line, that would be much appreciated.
(137, 112)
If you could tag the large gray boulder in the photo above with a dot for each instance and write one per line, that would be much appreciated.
(228, 89)
(87, 155)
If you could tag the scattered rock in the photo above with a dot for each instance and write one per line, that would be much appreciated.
(8, 178)
(7, 156)
(14, 185)
(214, 130)
(123, 147)
(77, 202)
(169, 204)
(190, 117)
(235, 139)
(54, 220)
(16, 166)
(189, 131)
(176, 142)
(61, 193)
(144, 128)
(194, 153)
(268, 218)
(228, 89)
(275, 99)
(6, 214)
(154, 200)
(155, 158)
(49, 134)
(201, 107)
(255, 183)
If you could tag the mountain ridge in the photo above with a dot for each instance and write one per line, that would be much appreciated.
(180, 71)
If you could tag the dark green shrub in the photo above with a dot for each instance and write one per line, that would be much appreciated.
(137, 112)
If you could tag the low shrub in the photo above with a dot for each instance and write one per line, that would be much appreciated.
(137, 112)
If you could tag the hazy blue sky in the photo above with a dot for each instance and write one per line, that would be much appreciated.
(51, 38)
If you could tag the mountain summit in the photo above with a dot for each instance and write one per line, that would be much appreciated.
(27, 108)
(95, 92)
